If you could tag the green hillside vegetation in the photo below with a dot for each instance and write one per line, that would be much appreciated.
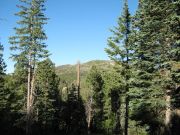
(68, 73)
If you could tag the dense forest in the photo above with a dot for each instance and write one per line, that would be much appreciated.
(136, 92)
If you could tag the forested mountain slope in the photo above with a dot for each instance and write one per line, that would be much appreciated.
(68, 73)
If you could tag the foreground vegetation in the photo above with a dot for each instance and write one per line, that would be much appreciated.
(136, 93)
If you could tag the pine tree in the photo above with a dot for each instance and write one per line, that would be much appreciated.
(96, 83)
(4, 96)
(120, 51)
(2, 75)
(113, 86)
(29, 43)
(76, 117)
(16, 84)
(152, 79)
(144, 63)
(47, 96)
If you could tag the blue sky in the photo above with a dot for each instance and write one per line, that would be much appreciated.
(77, 29)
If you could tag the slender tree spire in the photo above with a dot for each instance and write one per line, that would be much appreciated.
(120, 51)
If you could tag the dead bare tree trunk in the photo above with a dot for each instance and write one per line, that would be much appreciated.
(78, 79)
(168, 113)
(89, 113)
(168, 110)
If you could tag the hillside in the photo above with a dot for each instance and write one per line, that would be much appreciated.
(68, 72)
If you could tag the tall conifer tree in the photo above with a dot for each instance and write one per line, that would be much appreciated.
(120, 51)
(152, 79)
(29, 46)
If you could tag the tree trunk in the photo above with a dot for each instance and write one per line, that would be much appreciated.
(30, 94)
(28, 98)
(89, 114)
(118, 128)
(168, 113)
(32, 89)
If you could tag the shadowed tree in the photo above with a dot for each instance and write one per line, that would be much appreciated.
(120, 51)
(96, 83)
(47, 103)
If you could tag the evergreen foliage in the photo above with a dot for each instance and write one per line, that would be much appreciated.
(146, 81)
(76, 117)
(113, 100)
(3, 95)
(120, 51)
(96, 83)
(27, 43)
(153, 63)
(29, 48)
(47, 96)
